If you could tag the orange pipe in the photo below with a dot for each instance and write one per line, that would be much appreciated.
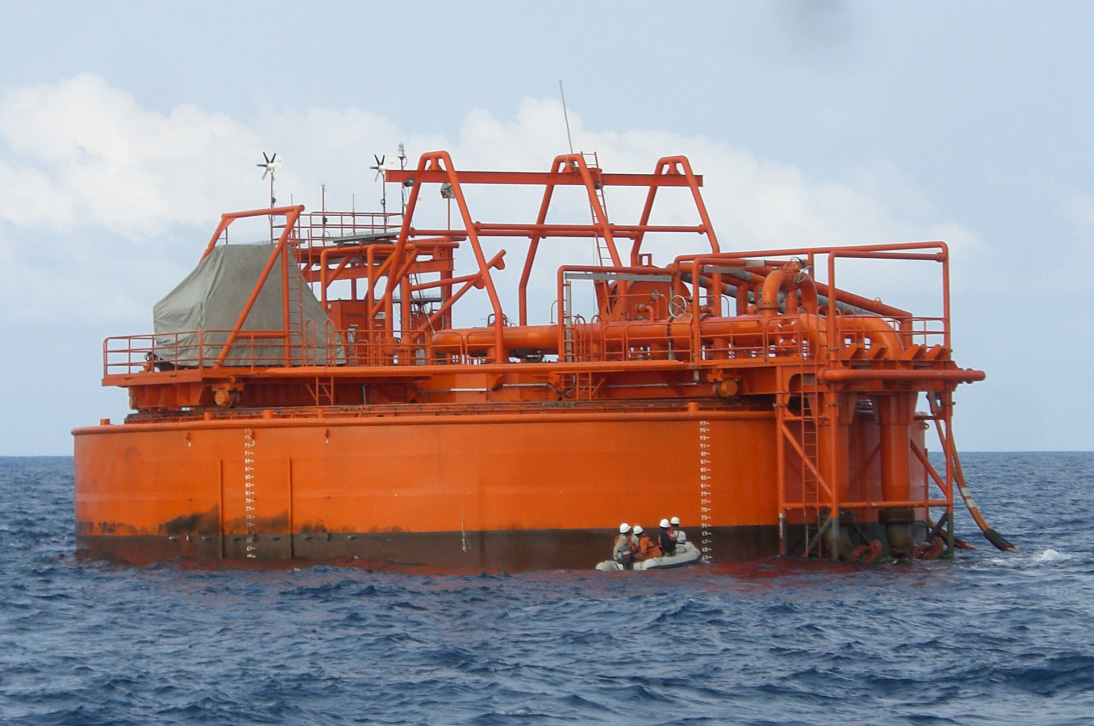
(739, 259)
(545, 337)
(534, 337)
(847, 375)
(789, 278)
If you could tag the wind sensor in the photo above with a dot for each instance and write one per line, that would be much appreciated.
(269, 166)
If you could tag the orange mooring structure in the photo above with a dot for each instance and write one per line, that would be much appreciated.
(743, 391)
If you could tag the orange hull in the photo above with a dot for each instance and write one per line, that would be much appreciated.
(494, 492)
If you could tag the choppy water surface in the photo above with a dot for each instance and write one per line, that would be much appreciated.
(992, 638)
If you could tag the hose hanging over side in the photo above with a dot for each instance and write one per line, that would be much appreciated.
(998, 541)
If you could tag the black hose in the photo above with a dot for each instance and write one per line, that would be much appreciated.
(998, 541)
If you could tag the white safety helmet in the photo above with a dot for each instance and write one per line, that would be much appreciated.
(624, 528)
(638, 529)
(665, 523)
(675, 521)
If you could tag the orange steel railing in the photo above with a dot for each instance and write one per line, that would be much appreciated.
(718, 341)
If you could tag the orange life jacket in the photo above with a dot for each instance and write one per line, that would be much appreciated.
(647, 548)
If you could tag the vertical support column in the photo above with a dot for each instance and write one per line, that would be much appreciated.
(895, 414)
(944, 407)
(404, 310)
(833, 422)
(780, 453)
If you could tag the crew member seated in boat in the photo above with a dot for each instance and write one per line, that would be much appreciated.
(648, 548)
(666, 540)
(626, 547)
(678, 534)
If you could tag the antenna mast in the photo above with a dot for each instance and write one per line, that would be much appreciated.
(269, 166)
(403, 190)
(566, 116)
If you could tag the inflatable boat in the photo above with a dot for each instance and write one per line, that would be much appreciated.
(686, 554)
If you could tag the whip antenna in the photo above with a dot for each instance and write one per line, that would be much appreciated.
(566, 116)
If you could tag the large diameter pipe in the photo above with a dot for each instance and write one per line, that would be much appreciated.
(746, 330)
(526, 337)
(544, 338)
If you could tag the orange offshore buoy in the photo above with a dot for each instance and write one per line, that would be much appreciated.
(370, 387)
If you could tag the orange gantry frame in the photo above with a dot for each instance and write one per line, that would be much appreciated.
(773, 411)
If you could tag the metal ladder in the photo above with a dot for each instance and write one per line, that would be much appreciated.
(603, 254)
(798, 420)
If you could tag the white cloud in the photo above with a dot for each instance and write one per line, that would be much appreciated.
(31, 197)
(86, 153)
(105, 204)
(87, 278)
(753, 203)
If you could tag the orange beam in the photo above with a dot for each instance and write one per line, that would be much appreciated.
(227, 219)
(564, 177)
(679, 170)
(291, 215)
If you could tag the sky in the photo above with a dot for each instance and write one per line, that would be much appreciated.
(127, 128)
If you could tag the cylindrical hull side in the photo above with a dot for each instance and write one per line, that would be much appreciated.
(474, 492)
(359, 487)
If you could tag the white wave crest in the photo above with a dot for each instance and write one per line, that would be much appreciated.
(1051, 555)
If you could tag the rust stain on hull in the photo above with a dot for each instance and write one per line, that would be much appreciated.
(432, 552)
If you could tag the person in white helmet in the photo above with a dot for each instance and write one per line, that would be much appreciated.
(676, 533)
(666, 540)
(648, 548)
(626, 546)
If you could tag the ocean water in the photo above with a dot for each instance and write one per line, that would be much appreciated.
(990, 638)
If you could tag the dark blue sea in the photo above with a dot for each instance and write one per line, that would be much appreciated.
(990, 638)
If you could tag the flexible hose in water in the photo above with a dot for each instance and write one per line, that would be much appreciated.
(998, 541)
